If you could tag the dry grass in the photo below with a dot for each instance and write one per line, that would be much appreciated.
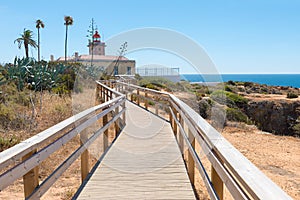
(56, 109)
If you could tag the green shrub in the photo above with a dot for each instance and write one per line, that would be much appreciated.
(151, 103)
(228, 88)
(291, 95)
(231, 82)
(248, 84)
(234, 114)
(228, 98)
(199, 95)
(296, 128)
(159, 82)
(7, 142)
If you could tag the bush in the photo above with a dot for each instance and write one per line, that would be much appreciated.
(7, 142)
(199, 96)
(227, 88)
(296, 128)
(228, 98)
(234, 114)
(231, 82)
(248, 84)
(159, 82)
(291, 95)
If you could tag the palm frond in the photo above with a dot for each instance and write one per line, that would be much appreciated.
(39, 24)
(68, 20)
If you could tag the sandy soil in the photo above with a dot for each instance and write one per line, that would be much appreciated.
(277, 156)
(276, 97)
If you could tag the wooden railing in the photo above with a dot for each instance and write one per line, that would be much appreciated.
(24, 159)
(228, 167)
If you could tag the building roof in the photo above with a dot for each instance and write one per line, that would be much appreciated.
(95, 58)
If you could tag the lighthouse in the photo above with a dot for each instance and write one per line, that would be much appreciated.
(96, 47)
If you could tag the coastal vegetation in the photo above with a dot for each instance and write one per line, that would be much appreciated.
(26, 86)
(267, 107)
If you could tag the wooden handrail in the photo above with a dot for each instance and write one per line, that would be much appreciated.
(241, 177)
(36, 149)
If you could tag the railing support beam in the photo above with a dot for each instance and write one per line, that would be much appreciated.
(31, 179)
(191, 162)
(105, 135)
(217, 183)
(84, 159)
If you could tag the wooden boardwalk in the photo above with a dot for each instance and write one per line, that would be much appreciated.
(144, 163)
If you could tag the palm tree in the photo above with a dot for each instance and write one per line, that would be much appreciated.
(39, 24)
(26, 39)
(68, 22)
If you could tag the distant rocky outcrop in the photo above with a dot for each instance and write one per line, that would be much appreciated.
(275, 116)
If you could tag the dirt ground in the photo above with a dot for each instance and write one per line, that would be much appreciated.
(277, 156)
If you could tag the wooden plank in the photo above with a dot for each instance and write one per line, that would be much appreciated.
(145, 162)
(138, 96)
(105, 135)
(31, 178)
(84, 161)
(191, 163)
(181, 142)
(217, 183)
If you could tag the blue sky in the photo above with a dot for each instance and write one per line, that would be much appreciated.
(240, 36)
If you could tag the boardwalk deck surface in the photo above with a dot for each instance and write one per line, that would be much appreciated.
(144, 163)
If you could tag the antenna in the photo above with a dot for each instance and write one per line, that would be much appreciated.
(90, 37)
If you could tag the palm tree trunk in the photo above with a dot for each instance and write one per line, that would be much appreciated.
(66, 40)
(38, 44)
(26, 49)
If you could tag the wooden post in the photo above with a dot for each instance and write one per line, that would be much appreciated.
(97, 95)
(191, 162)
(181, 143)
(156, 105)
(110, 94)
(174, 122)
(105, 135)
(146, 100)
(117, 128)
(84, 157)
(107, 97)
(217, 183)
(101, 93)
(31, 179)
(124, 113)
(171, 117)
(138, 96)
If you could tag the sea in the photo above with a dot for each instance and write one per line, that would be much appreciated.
(291, 80)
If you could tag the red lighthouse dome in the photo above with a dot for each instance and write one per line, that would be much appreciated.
(96, 37)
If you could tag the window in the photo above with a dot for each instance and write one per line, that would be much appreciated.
(116, 70)
(128, 71)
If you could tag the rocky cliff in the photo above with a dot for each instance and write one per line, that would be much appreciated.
(280, 117)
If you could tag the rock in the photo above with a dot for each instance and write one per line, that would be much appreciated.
(278, 117)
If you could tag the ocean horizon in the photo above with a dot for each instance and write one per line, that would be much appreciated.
(291, 80)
